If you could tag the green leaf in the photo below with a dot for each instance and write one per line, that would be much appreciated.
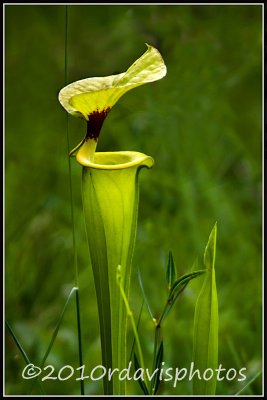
(177, 288)
(182, 282)
(19, 346)
(110, 200)
(24, 355)
(205, 344)
(159, 359)
(140, 381)
(98, 252)
(170, 271)
(210, 250)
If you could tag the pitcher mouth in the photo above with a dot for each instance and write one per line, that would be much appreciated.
(116, 160)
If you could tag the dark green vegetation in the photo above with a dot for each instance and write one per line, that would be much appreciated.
(201, 123)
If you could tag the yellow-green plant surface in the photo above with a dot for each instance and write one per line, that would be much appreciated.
(205, 346)
(110, 198)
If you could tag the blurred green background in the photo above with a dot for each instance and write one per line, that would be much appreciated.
(202, 124)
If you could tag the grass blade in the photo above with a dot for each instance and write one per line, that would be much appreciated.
(137, 327)
(130, 315)
(156, 380)
(249, 383)
(170, 271)
(57, 327)
(24, 354)
(79, 336)
(140, 381)
(157, 338)
(205, 344)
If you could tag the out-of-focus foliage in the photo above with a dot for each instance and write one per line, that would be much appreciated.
(201, 124)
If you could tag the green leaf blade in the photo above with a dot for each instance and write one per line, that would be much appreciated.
(183, 281)
(159, 359)
(140, 381)
(24, 354)
(177, 288)
(205, 344)
(170, 271)
(110, 201)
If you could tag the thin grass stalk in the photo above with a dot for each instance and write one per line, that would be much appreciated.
(79, 336)
(74, 289)
(134, 328)
(256, 376)
(24, 355)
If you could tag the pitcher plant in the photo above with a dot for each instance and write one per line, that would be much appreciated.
(110, 200)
